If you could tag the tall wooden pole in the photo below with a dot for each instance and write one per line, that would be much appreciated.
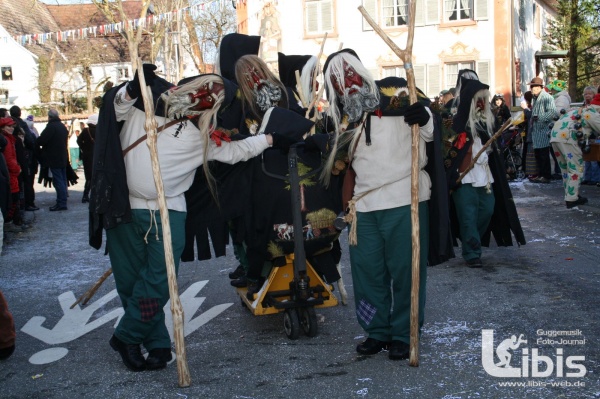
(406, 57)
(150, 127)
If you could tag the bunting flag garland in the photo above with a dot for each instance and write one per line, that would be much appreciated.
(108, 29)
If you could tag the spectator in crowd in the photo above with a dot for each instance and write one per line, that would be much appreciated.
(500, 109)
(54, 155)
(85, 141)
(30, 120)
(531, 170)
(73, 147)
(4, 188)
(28, 160)
(7, 126)
(543, 112)
(33, 169)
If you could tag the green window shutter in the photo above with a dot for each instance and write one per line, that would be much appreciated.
(481, 9)
(433, 81)
(432, 12)
(483, 71)
(371, 7)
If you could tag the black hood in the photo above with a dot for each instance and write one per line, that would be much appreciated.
(159, 86)
(288, 65)
(395, 106)
(232, 48)
(345, 50)
(468, 89)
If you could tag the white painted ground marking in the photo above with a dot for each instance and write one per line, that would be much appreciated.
(74, 323)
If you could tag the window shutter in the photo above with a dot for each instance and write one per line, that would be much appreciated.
(420, 13)
(483, 71)
(434, 82)
(420, 77)
(312, 15)
(481, 9)
(371, 7)
(326, 16)
(432, 12)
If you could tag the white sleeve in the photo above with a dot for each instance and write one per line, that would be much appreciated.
(426, 132)
(236, 151)
(123, 106)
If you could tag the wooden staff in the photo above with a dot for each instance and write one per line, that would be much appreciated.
(150, 126)
(90, 293)
(406, 57)
(315, 95)
(485, 146)
(176, 307)
(299, 88)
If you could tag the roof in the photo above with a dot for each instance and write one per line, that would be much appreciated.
(43, 18)
(75, 16)
(109, 48)
(20, 17)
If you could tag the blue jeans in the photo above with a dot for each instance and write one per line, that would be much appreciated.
(59, 181)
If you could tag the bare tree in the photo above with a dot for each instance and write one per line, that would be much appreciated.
(207, 30)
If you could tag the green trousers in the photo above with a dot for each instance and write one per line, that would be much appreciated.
(474, 209)
(137, 257)
(382, 271)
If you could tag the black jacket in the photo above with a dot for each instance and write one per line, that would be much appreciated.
(85, 141)
(29, 144)
(53, 143)
(109, 196)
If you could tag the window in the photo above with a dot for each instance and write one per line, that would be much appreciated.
(395, 12)
(537, 20)
(398, 71)
(452, 71)
(318, 17)
(123, 73)
(522, 14)
(6, 73)
(458, 10)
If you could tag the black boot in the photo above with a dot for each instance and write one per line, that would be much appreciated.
(130, 353)
(158, 358)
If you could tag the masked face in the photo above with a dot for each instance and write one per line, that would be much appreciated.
(206, 96)
(352, 81)
(254, 79)
(481, 104)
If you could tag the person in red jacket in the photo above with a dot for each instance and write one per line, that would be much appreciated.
(7, 126)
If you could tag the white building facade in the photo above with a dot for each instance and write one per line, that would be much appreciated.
(19, 73)
(498, 39)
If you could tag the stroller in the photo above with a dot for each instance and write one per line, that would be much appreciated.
(510, 146)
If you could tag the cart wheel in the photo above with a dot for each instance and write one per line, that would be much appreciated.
(291, 324)
(308, 321)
